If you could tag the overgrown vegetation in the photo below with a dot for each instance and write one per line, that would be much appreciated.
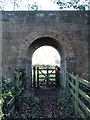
(29, 106)
(75, 4)
(10, 91)
(65, 104)
(6, 95)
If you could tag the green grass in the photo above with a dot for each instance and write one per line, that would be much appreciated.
(42, 76)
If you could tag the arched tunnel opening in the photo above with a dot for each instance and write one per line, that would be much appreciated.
(46, 41)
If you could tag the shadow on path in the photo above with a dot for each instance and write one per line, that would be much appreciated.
(48, 103)
(43, 103)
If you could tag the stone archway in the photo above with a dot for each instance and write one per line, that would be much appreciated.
(41, 38)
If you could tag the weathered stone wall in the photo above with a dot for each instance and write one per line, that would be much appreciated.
(18, 25)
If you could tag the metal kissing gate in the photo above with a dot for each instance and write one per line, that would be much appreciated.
(49, 77)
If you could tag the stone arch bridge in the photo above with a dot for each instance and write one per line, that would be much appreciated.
(23, 32)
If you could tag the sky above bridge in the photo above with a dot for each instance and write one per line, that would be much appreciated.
(26, 4)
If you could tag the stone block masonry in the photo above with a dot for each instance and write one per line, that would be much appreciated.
(68, 28)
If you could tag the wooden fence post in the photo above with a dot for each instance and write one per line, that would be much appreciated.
(67, 80)
(34, 77)
(76, 95)
(47, 77)
(57, 76)
(37, 77)
(23, 78)
(16, 90)
(72, 88)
